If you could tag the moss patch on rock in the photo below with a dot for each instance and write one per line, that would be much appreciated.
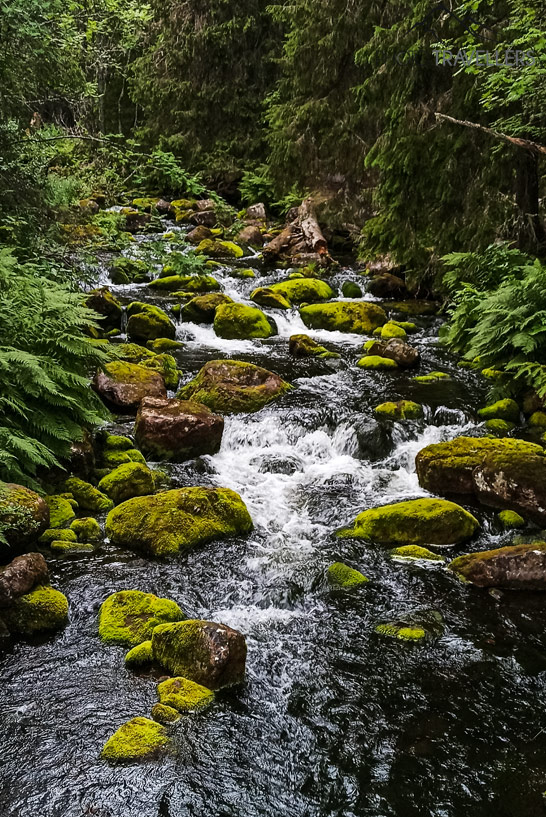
(511, 519)
(402, 410)
(235, 321)
(139, 656)
(87, 496)
(127, 481)
(376, 362)
(414, 552)
(303, 290)
(341, 575)
(130, 616)
(61, 510)
(44, 608)
(137, 739)
(86, 529)
(501, 410)
(165, 714)
(184, 695)
(359, 317)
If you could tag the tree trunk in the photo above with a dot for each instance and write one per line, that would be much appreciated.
(310, 228)
(532, 236)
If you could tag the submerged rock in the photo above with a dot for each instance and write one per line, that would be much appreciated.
(202, 309)
(177, 430)
(24, 515)
(341, 575)
(122, 385)
(20, 576)
(210, 654)
(501, 473)
(165, 523)
(396, 349)
(234, 387)
(184, 695)
(126, 481)
(414, 627)
(130, 616)
(40, 610)
(304, 346)
(414, 522)
(358, 317)
(137, 739)
(517, 567)
(402, 410)
(239, 322)
(414, 553)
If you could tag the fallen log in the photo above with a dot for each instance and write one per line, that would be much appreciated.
(280, 242)
(310, 228)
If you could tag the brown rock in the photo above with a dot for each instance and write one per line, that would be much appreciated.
(396, 349)
(135, 221)
(518, 567)
(250, 235)
(210, 654)
(123, 386)
(198, 234)
(256, 212)
(387, 285)
(177, 430)
(24, 515)
(204, 218)
(164, 208)
(20, 576)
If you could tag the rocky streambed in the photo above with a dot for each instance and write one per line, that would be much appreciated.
(377, 681)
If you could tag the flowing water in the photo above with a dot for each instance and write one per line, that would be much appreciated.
(333, 720)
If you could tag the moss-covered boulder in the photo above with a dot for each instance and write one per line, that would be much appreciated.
(52, 534)
(511, 519)
(538, 419)
(184, 695)
(122, 385)
(415, 627)
(304, 346)
(402, 410)
(185, 283)
(359, 317)
(177, 430)
(165, 714)
(210, 654)
(68, 548)
(86, 529)
(392, 330)
(240, 322)
(126, 481)
(160, 346)
(234, 387)
(303, 290)
(219, 249)
(265, 296)
(414, 522)
(61, 510)
(147, 322)
(165, 365)
(502, 473)
(111, 459)
(415, 553)
(40, 610)
(137, 739)
(107, 306)
(139, 656)
(24, 515)
(87, 496)
(165, 523)
(432, 377)
(341, 575)
(501, 410)
(129, 271)
(517, 567)
(130, 616)
(377, 363)
(499, 428)
(351, 290)
(202, 308)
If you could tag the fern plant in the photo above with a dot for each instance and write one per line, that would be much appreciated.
(45, 359)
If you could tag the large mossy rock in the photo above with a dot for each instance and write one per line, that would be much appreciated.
(129, 617)
(202, 308)
(501, 473)
(41, 610)
(342, 576)
(126, 481)
(165, 523)
(184, 695)
(359, 317)
(177, 430)
(265, 296)
(24, 515)
(219, 249)
(234, 387)
(107, 306)
(210, 654)
(147, 322)
(137, 739)
(87, 496)
(122, 385)
(240, 322)
(303, 290)
(20, 576)
(414, 522)
(304, 346)
(185, 283)
(517, 567)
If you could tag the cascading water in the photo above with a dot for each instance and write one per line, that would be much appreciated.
(332, 720)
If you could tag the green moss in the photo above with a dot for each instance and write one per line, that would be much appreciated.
(303, 290)
(351, 290)
(414, 627)
(433, 377)
(413, 307)
(203, 308)
(147, 322)
(538, 419)
(88, 497)
(130, 616)
(186, 283)
(69, 547)
(511, 519)
(139, 656)
(136, 739)
(368, 345)
(415, 552)
(403, 410)
(232, 387)
(42, 609)
(414, 522)
(133, 352)
(165, 523)
(115, 442)
(86, 529)
(52, 534)
(219, 249)
(61, 511)
(304, 346)
(341, 575)
(401, 633)
(161, 345)
(501, 410)
(238, 321)
(376, 362)
(115, 458)
(184, 695)
(243, 273)
(359, 317)
(165, 714)
(393, 330)
(128, 270)
(501, 427)
(265, 296)
(126, 481)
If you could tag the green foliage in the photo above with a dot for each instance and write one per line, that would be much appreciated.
(45, 399)
(257, 185)
(160, 171)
